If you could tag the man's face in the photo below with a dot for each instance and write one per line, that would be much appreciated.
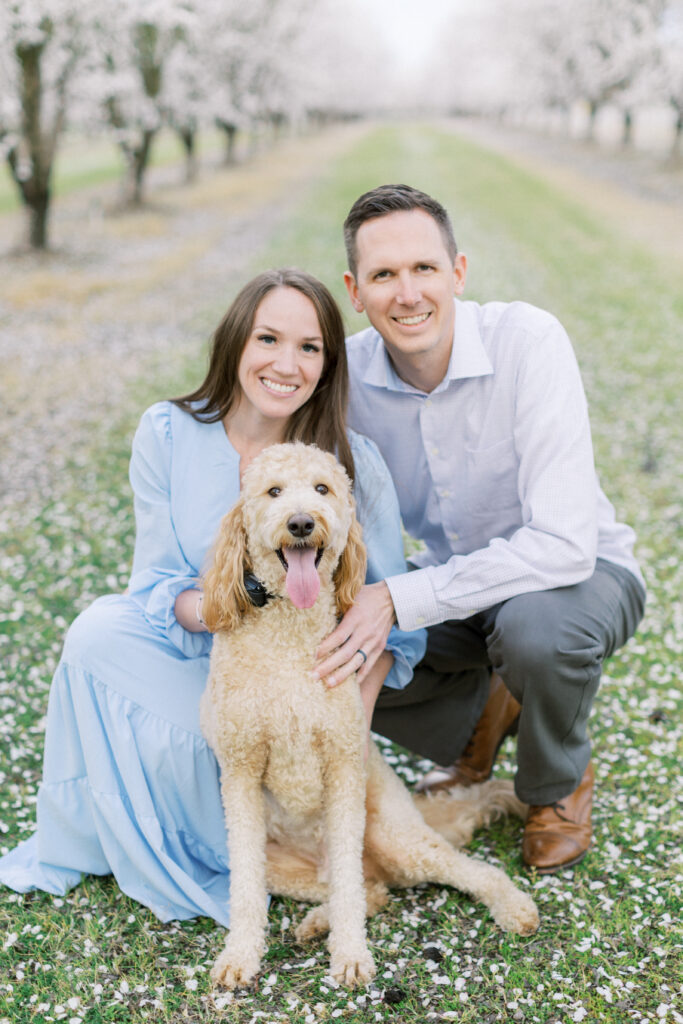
(405, 282)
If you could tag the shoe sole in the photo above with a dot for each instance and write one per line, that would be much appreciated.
(557, 867)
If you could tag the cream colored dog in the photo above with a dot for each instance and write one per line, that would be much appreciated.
(307, 817)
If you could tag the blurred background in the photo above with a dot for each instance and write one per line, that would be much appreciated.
(230, 74)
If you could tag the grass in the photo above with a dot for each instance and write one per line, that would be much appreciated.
(609, 948)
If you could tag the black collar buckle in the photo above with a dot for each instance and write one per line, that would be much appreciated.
(258, 595)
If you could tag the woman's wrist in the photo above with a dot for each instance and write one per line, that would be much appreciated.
(188, 610)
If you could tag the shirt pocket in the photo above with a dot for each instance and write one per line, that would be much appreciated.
(491, 480)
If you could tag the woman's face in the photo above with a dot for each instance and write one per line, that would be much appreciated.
(283, 358)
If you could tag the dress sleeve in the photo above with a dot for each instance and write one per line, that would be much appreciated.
(160, 568)
(379, 516)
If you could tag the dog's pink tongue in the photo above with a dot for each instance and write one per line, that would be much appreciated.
(303, 582)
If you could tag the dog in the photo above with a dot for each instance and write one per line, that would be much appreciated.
(308, 816)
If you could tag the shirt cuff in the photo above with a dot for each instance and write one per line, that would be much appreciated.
(158, 603)
(414, 600)
(407, 649)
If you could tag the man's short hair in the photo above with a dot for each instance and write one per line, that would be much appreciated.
(384, 199)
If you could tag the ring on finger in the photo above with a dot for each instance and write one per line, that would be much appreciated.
(363, 655)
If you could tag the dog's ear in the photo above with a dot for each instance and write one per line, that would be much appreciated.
(225, 597)
(349, 576)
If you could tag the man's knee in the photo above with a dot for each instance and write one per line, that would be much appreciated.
(535, 633)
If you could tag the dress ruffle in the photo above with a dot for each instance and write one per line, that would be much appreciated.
(130, 786)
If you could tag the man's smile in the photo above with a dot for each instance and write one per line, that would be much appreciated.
(410, 321)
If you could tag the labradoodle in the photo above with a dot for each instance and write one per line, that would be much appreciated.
(308, 817)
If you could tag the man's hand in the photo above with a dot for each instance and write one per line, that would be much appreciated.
(365, 627)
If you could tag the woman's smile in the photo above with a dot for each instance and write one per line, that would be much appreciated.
(278, 387)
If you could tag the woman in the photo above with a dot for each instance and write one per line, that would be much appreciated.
(130, 787)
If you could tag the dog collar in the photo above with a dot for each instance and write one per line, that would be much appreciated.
(258, 595)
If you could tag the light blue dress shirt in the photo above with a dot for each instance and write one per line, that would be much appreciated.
(493, 468)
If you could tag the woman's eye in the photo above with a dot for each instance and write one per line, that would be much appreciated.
(274, 491)
(310, 347)
(267, 338)
(322, 488)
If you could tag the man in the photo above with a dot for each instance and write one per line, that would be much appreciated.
(526, 582)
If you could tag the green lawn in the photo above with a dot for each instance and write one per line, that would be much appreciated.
(609, 948)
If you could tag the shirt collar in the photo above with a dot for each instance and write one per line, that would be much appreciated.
(468, 355)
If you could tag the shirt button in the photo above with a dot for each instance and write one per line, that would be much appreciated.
(454, 536)
(435, 451)
(420, 620)
(445, 493)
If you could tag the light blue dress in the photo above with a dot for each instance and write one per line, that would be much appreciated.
(130, 786)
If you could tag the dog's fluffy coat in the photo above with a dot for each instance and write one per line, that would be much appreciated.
(306, 817)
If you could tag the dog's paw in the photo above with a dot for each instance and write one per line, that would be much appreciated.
(233, 971)
(315, 923)
(352, 969)
(516, 913)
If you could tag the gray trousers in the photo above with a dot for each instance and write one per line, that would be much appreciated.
(548, 647)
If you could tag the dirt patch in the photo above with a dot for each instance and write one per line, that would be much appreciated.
(121, 296)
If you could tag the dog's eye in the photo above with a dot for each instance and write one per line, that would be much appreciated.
(274, 491)
(322, 488)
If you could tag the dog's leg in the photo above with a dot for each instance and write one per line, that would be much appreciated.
(351, 962)
(243, 801)
(411, 852)
(317, 920)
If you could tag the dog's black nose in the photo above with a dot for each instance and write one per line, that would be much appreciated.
(300, 525)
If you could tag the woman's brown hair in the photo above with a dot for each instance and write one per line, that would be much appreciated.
(322, 419)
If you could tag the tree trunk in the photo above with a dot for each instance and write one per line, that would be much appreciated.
(230, 130)
(38, 211)
(137, 159)
(188, 137)
(628, 129)
(34, 186)
(677, 147)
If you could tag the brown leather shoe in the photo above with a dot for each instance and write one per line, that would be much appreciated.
(557, 836)
(498, 720)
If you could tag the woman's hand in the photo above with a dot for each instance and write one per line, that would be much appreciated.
(188, 610)
(359, 639)
(370, 689)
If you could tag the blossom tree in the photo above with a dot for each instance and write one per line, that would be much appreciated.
(616, 42)
(127, 78)
(41, 44)
(258, 55)
(185, 94)
(541, 54)
(670, 64)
